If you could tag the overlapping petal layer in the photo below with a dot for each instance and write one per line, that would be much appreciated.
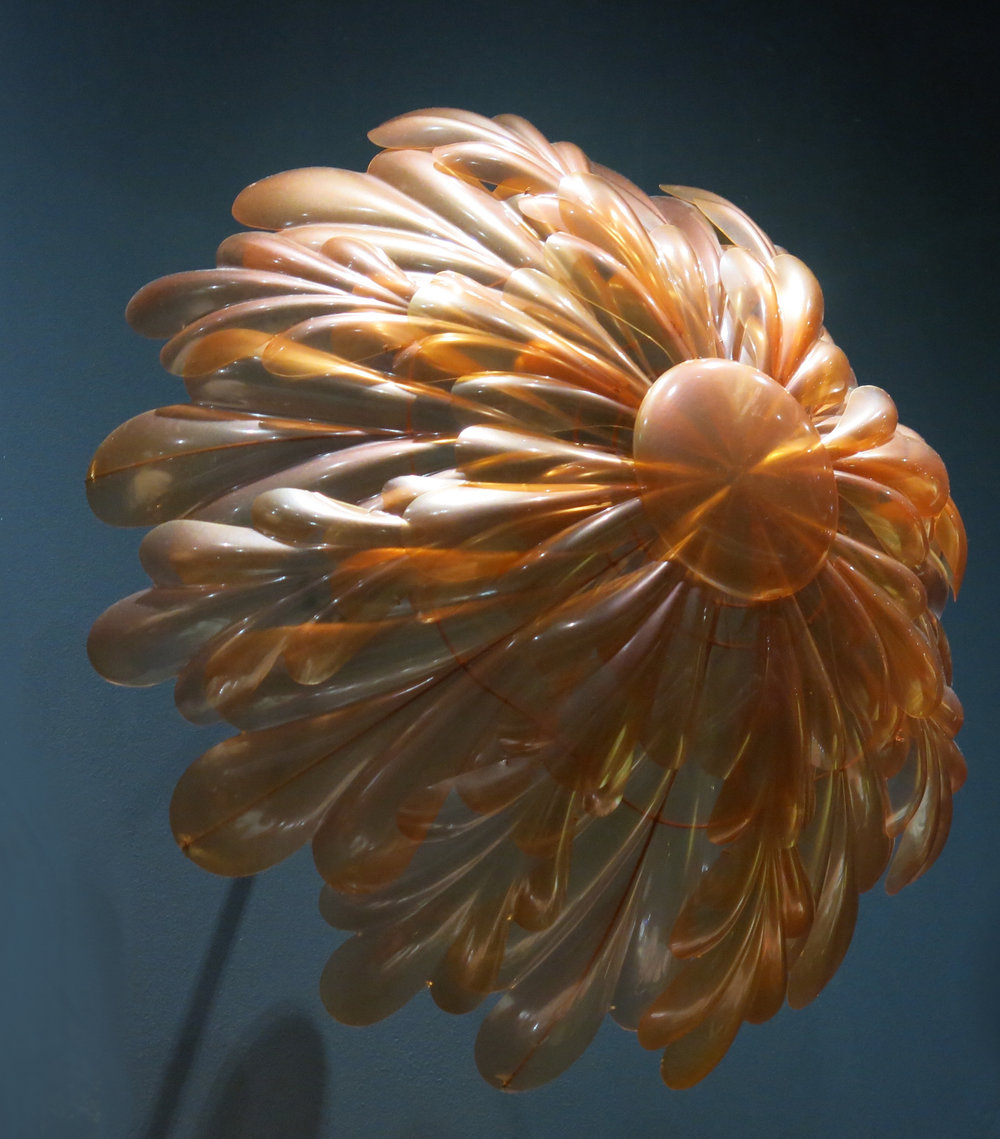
(567, 592)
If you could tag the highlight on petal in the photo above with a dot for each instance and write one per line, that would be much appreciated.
(564, 588)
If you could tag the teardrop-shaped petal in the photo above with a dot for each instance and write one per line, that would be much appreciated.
(479, 218)
(436, 126)
(565, 590)
(162, 463)
(728, 219)
(869, 419)
(800, 303)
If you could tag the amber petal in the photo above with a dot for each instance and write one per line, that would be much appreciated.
(478, 218)
(672, 865)
(146, 638)
(754, 330)
(207, 553)
(905, 464)
(276, 253)
(836, 895)
(167, 305)
(321, 194)
(370, 977)
(800, 305)
(565, 588)
(868, 420)
(253, 799)
(436, 126)
(890, 517)
(926, 830)
(507, 170)
(728, 219)
(949, 536)
(558, 998)
(823, 378)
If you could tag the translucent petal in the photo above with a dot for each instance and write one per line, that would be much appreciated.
(905, 464)
(322, 194)
(565, 590)
(822, 379)
(169, 304)
(277, 253)
(800, 304)
(868, 420)
(163, 464)
(728, 219)
(480, 218)
(207, 553)
(949, 536)
(253, 799)
(436, 126)
(507, 170)
(890, 517)
(755, 332)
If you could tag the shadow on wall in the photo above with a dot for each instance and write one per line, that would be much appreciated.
(274, 1089)
(185, 1049)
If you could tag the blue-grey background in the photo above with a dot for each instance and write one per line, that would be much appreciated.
(141, 997)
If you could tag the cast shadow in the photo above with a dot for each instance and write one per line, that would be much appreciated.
(186, 1046)
(275, 1087)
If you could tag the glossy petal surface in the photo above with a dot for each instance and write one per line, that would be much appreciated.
(566, 592)
(735, 478)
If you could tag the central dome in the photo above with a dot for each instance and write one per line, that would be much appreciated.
(735, 478)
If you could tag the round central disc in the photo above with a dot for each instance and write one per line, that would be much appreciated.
(735, 478)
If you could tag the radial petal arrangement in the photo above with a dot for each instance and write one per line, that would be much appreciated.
(568, 594)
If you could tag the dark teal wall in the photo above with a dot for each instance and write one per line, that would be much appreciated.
(140, 997)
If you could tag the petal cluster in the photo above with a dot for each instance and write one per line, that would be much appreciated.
(567, 592)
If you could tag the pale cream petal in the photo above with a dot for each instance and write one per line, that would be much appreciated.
(481, 220)
(436, 126)
(728, 219)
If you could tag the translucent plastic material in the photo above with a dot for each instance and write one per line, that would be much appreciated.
(568, 594)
